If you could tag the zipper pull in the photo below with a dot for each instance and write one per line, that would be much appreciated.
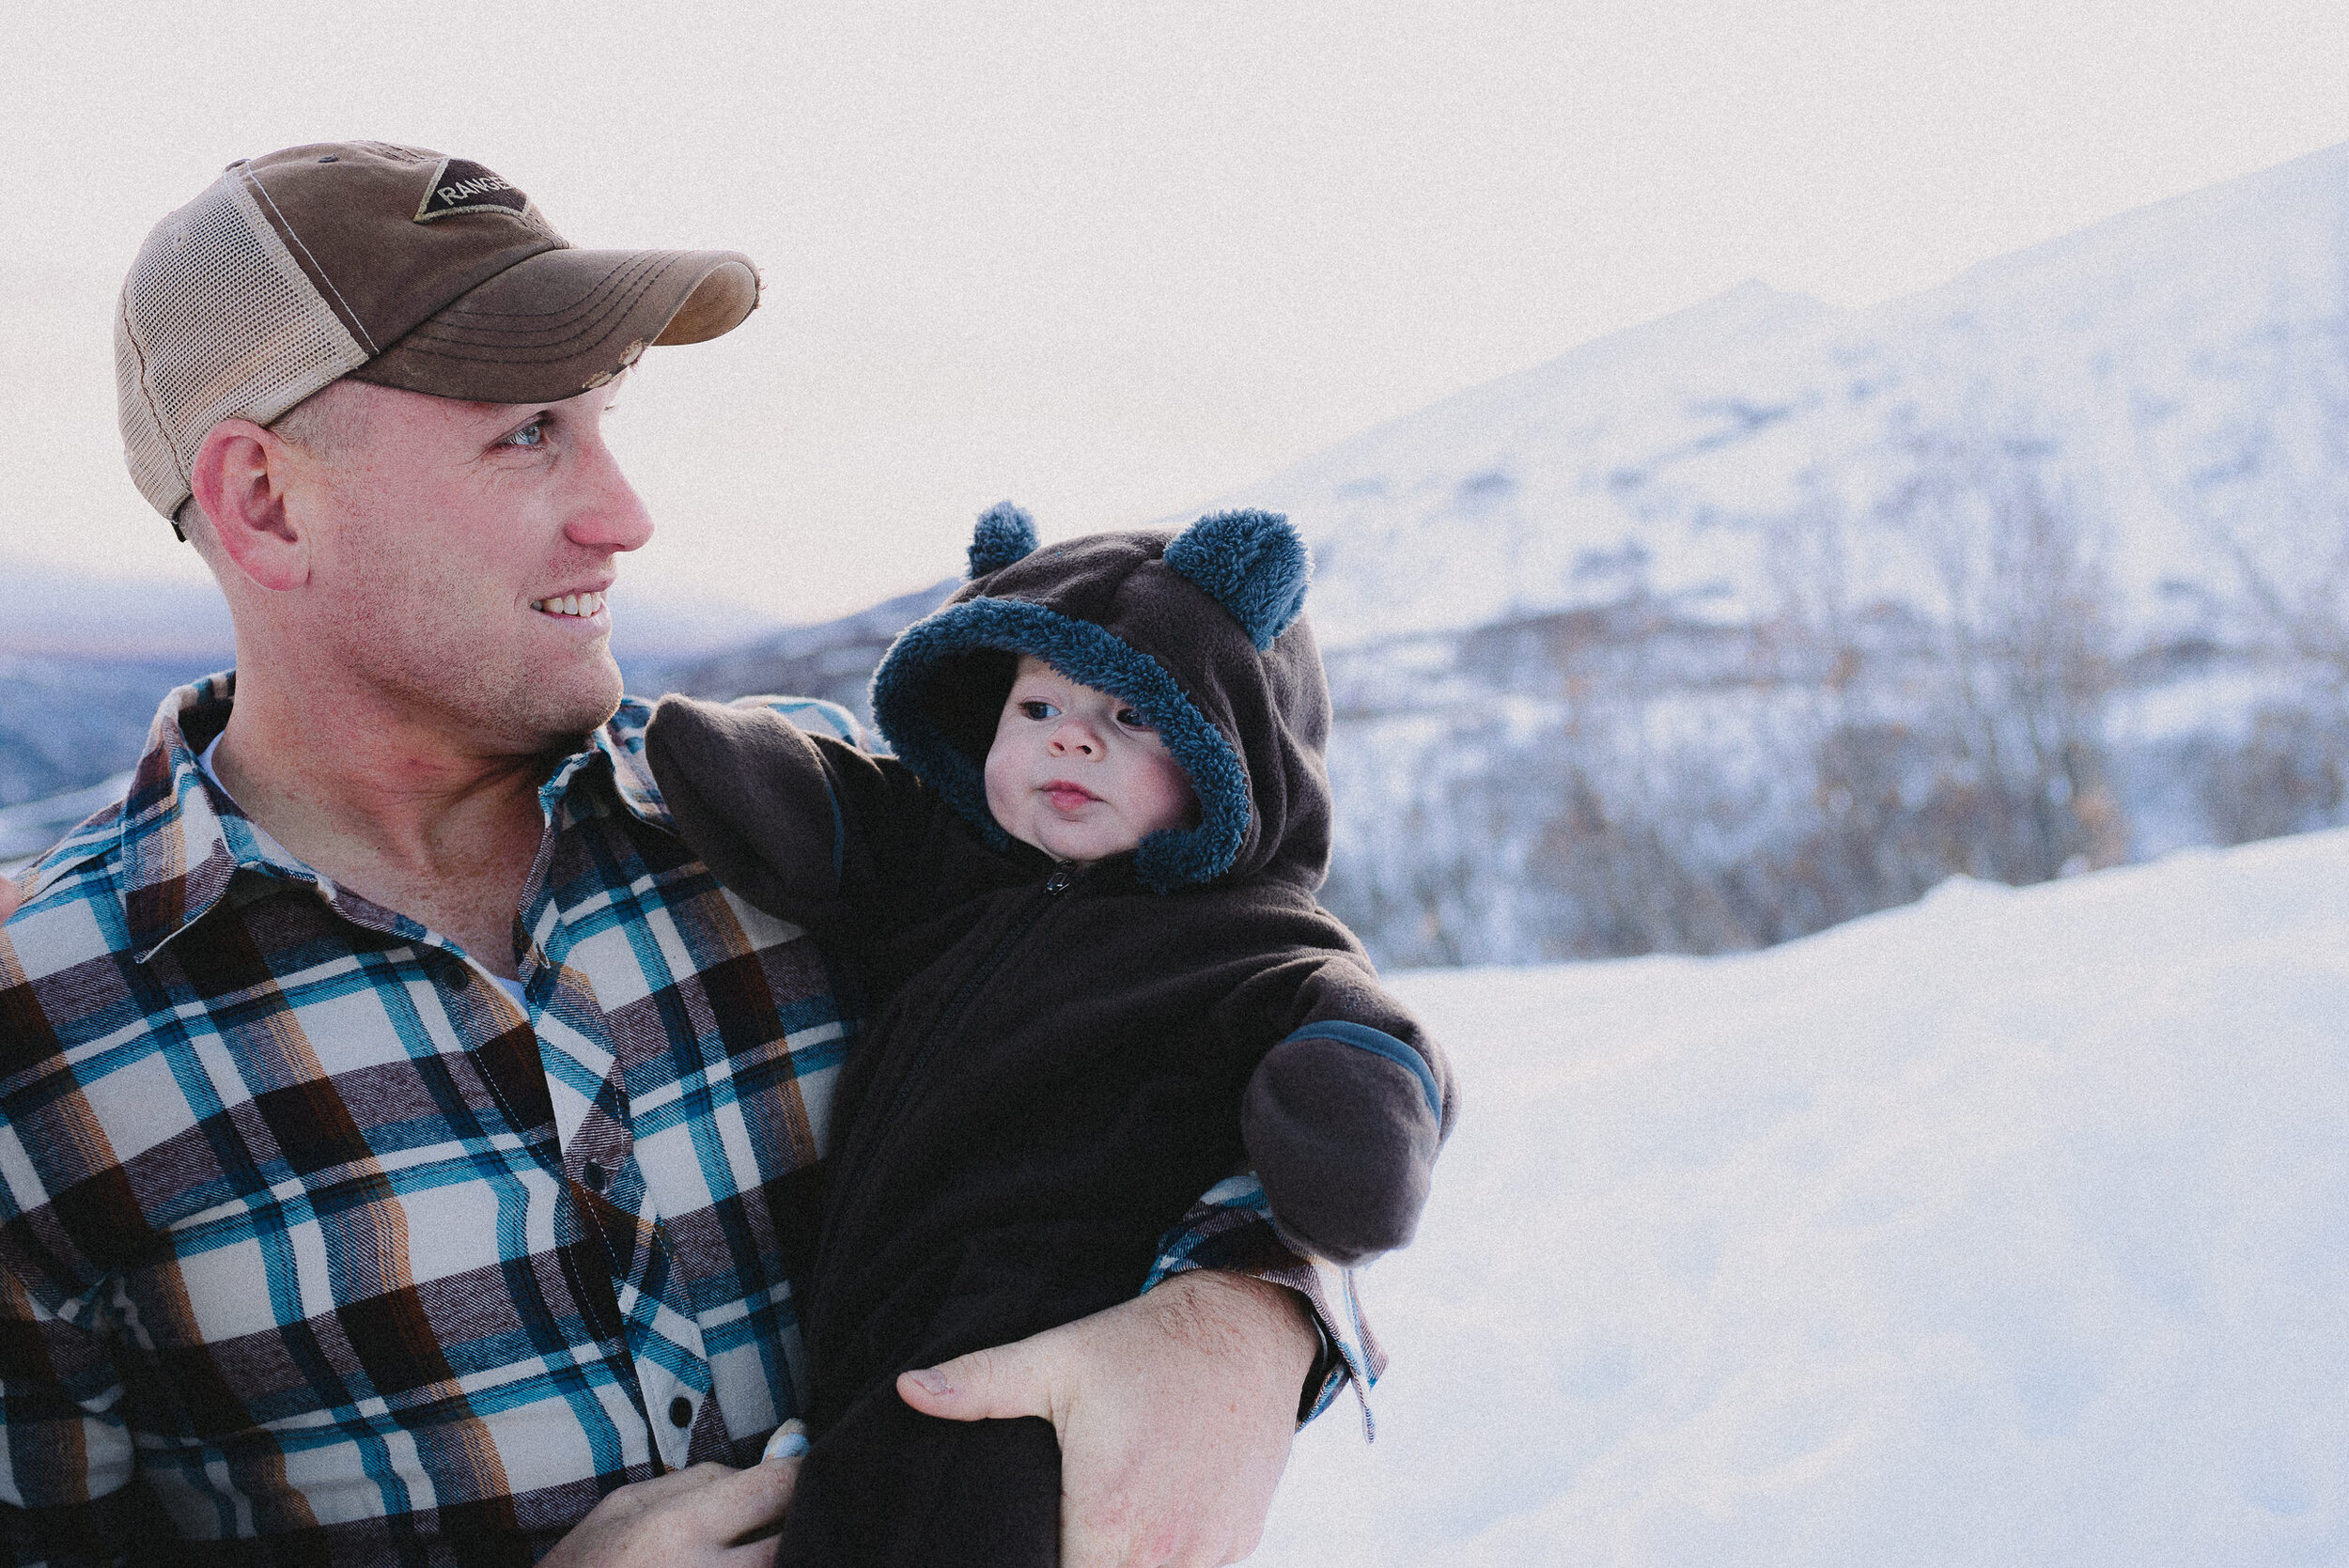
(1060, 879)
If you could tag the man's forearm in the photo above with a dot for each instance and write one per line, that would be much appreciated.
(1230, 1229)
(1251, 1319)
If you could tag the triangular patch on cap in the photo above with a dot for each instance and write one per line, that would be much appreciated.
(461, 185)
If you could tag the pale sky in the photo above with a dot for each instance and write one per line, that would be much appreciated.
(1111, 260)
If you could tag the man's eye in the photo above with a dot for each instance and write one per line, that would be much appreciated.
(1038, 711)
(531, 434)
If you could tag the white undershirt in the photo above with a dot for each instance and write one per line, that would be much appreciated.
(511, 987)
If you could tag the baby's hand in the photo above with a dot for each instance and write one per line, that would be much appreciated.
(10, 897)
(1344, 1136)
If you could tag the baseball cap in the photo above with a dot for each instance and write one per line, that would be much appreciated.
(394, 265)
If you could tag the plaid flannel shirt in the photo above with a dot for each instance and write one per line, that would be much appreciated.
(315, 1248)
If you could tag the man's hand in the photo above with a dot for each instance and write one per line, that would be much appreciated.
(701, 1517)
(1175, 1413)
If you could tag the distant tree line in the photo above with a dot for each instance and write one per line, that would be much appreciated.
(1936, 687)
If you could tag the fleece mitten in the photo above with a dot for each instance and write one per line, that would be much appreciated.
(1343, 1129)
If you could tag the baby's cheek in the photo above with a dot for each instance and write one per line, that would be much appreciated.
(1172, 805)
(1001, 793)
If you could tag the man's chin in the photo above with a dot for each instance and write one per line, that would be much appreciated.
(591, 713)
(550, 718)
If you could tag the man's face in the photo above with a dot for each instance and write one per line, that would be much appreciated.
(461, 556)
(1075, 772)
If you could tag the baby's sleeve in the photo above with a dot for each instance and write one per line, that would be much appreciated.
(772, 809)
(1343, 1116)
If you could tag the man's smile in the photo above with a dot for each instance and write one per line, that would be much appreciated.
(580, 606)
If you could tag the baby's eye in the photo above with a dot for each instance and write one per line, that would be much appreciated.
(1133, 720)
(1039, 711)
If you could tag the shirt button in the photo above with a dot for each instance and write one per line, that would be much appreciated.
(680, 1411)
(597, 1179)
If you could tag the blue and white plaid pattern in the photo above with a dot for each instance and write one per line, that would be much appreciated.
(308, 1229)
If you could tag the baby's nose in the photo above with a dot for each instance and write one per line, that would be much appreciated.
(1072, 737)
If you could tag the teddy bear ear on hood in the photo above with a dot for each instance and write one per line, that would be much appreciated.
(1251, 563)
(1005, 534)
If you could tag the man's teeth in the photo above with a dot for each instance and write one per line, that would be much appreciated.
(570, 604)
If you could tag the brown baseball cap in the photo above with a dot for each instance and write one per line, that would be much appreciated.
(388, 264)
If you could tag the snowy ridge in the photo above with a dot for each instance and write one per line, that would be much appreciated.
(2137, 348)
(1764, 615)
(2009, 1227)
(1485, 502)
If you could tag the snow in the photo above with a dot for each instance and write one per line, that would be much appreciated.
(2008, 1228)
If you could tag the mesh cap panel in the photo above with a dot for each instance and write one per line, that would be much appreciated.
(217, 321)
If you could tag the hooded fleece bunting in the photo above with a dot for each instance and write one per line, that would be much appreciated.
(1061, 1057)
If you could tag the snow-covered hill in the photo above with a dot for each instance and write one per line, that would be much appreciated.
(2007, 1229)
(1766, 614)
(2169, 363)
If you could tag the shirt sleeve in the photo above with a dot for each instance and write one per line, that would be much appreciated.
(68, 1492)
(1230, 1229)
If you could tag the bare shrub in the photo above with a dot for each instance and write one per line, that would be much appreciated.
(1701, 785)
(2286, 776)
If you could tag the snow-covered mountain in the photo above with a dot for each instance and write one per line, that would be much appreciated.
(1766, 614)
(834, 659)
(2003, 1230)
(2171, 363)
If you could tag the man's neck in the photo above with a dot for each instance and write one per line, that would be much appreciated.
(389, 806)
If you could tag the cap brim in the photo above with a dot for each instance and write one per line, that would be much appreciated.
(567, 320)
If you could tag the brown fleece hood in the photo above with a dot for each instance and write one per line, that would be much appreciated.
(1202, 632)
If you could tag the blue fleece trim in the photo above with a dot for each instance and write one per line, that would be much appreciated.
(1091, 656)
(1004, 533)
(1379, 1043)
(1253, 564)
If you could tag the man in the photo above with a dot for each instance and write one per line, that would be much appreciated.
(404, 1143)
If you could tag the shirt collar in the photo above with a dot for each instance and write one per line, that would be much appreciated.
(617, 751)
(183, 840)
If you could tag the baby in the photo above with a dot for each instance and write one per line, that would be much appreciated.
(1079, 907)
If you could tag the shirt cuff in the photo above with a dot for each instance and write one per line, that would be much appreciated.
(1231, 1229)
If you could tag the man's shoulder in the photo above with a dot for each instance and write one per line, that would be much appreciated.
(69, 890)
(65, 956)
(136, 822)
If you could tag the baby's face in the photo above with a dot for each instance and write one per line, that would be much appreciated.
(1075, 772)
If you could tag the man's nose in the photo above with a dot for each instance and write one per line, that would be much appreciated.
(607, 514)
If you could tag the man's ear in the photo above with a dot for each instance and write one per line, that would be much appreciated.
(241, 478)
